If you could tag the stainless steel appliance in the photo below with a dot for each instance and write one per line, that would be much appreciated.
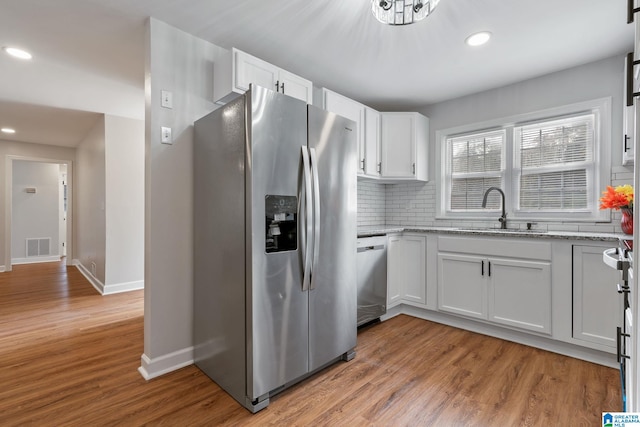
(621, 259)
(372, 278)
(275, 243)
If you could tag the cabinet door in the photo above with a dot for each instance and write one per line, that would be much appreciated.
(249, 69)
(596, 304)
(414, 268)
(520, 293)
(394, 270)
(398, 145)
(352, 110)
(370, 149)
(295, 86)
(462, 285)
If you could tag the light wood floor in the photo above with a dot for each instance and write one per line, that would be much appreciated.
(69, 356)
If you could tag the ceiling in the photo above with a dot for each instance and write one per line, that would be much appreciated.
(89, 54)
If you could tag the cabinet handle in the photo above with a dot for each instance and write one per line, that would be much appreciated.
(282, 87)
(629, 77)
(380, 167)
(489, 262)
(277, 85)
(621, 348)
(414, 168)
(631, 11)
(482, 268)
(626, 139)
(362, 164)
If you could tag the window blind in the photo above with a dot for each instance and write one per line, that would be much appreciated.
(555, 159)
(476, 162)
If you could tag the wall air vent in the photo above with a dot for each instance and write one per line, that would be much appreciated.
(38, 247)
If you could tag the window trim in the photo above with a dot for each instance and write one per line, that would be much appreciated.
(601, 107)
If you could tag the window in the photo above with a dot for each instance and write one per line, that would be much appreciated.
(476, 163)
(550, 165)
(554, 163)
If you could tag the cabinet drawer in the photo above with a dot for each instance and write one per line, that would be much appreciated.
(487, 246)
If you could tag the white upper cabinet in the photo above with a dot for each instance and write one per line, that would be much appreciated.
(233, 73)
(404, 145)
(249, 69)
(352, 110)
(391, 146)
(371, 145)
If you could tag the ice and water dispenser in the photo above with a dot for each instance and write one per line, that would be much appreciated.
(281, 223)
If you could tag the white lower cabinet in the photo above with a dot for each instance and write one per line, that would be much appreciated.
(597, 306)
(504, 290)
(406, 270)
(520, 293)
(462, 287)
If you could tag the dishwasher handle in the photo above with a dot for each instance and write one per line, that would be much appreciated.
(370, 248)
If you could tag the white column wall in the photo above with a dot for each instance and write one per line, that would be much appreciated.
(90, 186)
(183, 64)
(124, 198)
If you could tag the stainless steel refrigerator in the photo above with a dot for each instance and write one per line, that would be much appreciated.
(275, 243)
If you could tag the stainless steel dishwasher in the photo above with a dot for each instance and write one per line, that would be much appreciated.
(372, 278)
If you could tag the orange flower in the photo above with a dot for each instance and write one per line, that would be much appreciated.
(616, 198)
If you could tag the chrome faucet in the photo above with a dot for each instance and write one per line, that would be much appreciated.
(503, 218)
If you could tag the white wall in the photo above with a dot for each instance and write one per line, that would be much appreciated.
(90, 189)
(34, 215)
(182, 64)
(415, 203)
(9, 149)
(124, 198)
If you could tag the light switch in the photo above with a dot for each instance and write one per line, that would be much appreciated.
(166, 99)
(166, 135)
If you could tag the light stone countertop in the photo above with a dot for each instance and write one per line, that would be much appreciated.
(492, 232)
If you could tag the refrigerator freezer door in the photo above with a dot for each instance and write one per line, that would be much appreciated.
(277, 337)
(332, 299)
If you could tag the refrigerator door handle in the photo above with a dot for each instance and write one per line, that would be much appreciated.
(306, 278)
(316, 212)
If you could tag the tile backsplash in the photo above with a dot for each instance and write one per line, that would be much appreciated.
(414, 204)
(371, 203)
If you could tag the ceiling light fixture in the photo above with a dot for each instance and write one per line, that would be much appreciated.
(17, 53)
(8, 130)
(478, 39)
(402, 12)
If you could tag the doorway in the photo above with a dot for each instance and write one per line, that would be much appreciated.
(28, 237)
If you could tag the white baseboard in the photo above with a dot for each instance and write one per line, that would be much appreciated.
(549, 344)
(34, 260)
(2, 269)
(90, 277)
(123, 287)
(107, 289)
(152, 368)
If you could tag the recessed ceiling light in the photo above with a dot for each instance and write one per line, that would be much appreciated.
(478, 39)
(8, 130)
(17, 53)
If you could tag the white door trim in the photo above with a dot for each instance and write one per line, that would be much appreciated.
(9, 197)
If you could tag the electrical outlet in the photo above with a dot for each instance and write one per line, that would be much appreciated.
(165, 137)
